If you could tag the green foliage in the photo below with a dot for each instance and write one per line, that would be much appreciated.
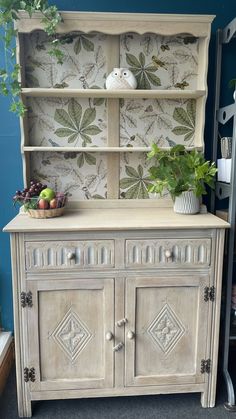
(186, 120)
(76, 124)
(178, 170)
(9, 76)
(143, 72)
(136, 184)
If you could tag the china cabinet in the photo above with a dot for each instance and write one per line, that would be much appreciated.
(120, 296)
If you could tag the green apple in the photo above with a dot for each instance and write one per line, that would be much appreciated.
(47, 194)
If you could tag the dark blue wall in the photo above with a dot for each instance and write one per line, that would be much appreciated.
(10, 157)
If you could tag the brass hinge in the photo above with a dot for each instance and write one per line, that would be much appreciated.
(29, 374)
(205, 366)
(26, 299)
(209, 293)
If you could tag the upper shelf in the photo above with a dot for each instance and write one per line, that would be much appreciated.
(103, 93)
(118, 23)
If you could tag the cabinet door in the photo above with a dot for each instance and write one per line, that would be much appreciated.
(67, 326)
(166, 330)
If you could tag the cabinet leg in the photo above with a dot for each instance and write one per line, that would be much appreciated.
(206, 401)
(24, 409)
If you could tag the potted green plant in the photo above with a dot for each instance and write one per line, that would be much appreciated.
(183, 174)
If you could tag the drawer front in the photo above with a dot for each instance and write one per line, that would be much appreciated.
(69, 255)
(168, 252)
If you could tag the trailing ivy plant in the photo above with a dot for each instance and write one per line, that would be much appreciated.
(9, 75)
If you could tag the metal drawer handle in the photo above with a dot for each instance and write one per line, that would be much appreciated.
(168, 254)
(121, 322)
(70, 255)
(118, 347)
(130, 334)
(109, 336)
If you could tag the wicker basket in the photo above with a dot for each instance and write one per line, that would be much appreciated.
(48, 213)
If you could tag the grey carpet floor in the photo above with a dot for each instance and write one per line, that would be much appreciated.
(177, 406)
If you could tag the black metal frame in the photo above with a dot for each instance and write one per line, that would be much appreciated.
(224, 190)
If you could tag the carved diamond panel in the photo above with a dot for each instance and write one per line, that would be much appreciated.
(166, 329)
(71, 335)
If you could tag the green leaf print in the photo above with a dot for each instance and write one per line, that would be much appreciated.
(186, 119)
(76, 124)
(86, 157)
(135, 184)
(144, 73)
(83, 41)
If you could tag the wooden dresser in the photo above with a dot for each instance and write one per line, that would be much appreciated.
(115, 302)
(120, 296)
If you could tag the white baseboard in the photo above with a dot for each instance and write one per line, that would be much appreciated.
(5, 342)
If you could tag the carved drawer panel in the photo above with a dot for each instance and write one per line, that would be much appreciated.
(168, 252)
(69, 255)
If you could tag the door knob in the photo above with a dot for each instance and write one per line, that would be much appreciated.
(130, 334)
(70, 255)
(118, 347)
(109, 336)
(120, 323)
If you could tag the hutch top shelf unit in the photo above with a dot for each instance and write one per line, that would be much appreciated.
(91, 142)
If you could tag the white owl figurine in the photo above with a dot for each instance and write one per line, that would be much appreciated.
(121, 78)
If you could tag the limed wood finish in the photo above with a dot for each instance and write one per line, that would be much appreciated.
(110, 299)
(114, 26)
(139, 324)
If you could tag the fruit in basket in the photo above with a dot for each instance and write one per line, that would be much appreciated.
(48, 194)
(53, 203)
(29, 196)
(43, 204)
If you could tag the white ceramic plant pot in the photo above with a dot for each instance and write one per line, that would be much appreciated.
(187, 203)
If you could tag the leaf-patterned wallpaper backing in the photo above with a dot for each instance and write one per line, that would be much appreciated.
(134, 176)
(159, 62)
(165, 122)
(82, 175)
(67, 122)
(84, 63)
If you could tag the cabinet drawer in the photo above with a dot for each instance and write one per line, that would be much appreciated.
(69, 254)
(168, 252)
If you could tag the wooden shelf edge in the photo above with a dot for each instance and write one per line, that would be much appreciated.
(103, 93)
(98, 149)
